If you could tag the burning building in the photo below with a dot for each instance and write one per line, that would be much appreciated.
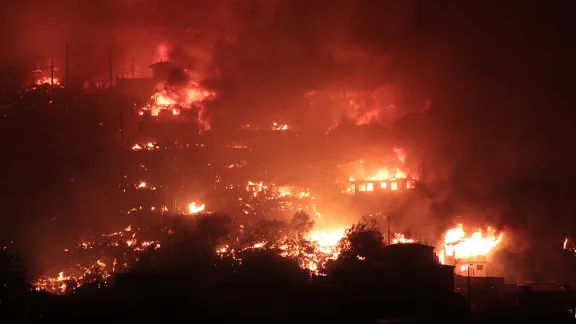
(471, 255)
(382, 186)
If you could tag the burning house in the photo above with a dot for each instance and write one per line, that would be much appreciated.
(382, 186)
(472, 255)
(177, 105)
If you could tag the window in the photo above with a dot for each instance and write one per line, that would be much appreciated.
(383, 184)
(370, 186)
(479, 267)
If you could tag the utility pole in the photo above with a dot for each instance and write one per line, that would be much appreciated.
(469, 292)
(110, 63)
(389, 236)
(67, 65)
(52, 72)
(122, 125)
(132, 68)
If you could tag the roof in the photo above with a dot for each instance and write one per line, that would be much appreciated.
(160, 64)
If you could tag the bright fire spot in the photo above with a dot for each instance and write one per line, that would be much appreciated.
(327, 240)
(196, 208)
(458, 245)
(399, 238)
(46, 80)
(276, 126)
(149, 146)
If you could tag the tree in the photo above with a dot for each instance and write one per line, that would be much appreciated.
(363, 241)
(267, 267)
(267, 231)
(214, 228)
(302, 223)
(12, 275)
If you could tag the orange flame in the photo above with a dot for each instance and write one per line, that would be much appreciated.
(458, 245)
(194, 208)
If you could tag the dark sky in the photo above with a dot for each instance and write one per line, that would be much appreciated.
(499, 131)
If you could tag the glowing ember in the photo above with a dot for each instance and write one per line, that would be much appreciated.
(149, 146)
(196, 208)
(276, 126)
(457, 245)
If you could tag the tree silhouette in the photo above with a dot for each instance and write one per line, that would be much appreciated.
(267, 231)
(12, 275)
(302, 223)
(363, 241)
(213, 228)
(267, 267)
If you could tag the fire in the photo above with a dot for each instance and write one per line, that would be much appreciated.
(97, 269)
(327, 240)
(458, 245)
(373, 175)
(175, 99)
(149, 146)
(144, 185)
(196, 208)
(276, 126)
(399, 238)
(47, 80)
(366, 171)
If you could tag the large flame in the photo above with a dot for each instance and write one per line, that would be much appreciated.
(458, 245)
(370, 170)
(195, 208)
(175, 99)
